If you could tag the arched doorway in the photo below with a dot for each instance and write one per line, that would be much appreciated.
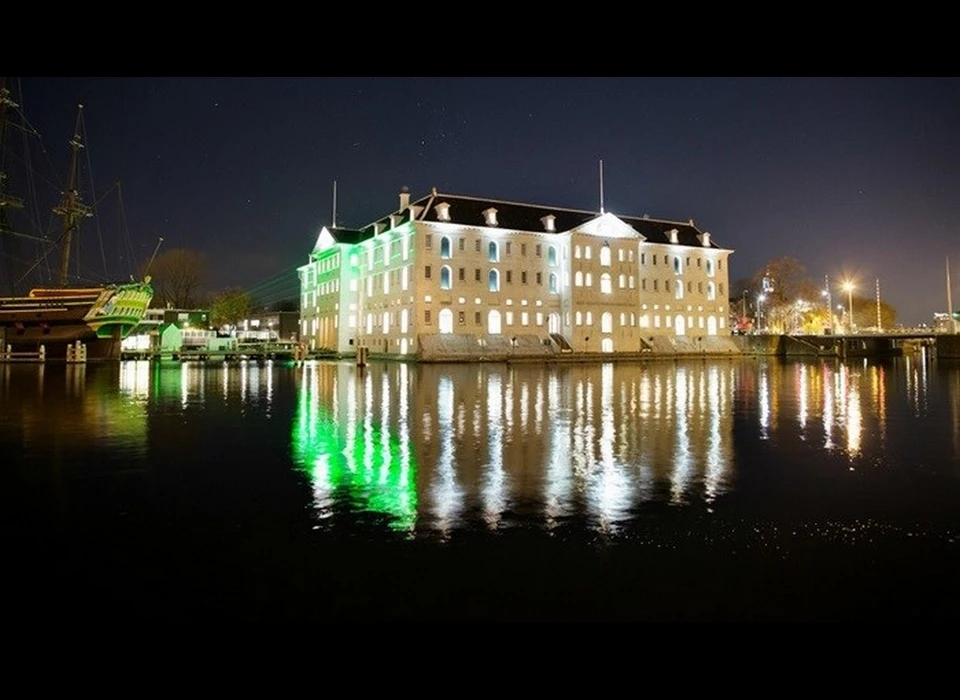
(446, 321)
(606, 322)
(493, 323)
(678, 326)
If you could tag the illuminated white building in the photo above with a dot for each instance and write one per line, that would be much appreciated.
(450, 276)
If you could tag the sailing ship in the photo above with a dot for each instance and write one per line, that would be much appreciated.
(58, 317)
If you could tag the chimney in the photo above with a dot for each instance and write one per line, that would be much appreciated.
(672, 233)
(404, 198)
(705, 239)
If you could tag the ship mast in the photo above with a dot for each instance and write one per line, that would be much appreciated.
(8, 202)
(71, 209)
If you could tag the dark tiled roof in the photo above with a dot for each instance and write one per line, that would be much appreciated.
(348, 235)
(468, 211)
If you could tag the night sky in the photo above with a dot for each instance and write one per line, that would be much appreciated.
(854, 177)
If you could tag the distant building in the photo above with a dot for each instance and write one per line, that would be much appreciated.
(473, 274)
(269, 326)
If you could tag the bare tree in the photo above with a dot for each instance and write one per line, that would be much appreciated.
(176, 275)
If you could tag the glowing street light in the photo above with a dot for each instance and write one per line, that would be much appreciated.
(760, 298)
(848, 287)
(826, 293)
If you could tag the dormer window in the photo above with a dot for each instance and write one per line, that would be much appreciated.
(705, 239)
(490, 215)
(443, 212)
(672, 234)
(548, 223)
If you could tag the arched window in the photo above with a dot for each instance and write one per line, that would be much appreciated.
(576, 251)
(606, 322)
(605, 255)
(606, 284)
(711, 291)
(578, 279)
(494, 284)
(553, 283)
(587, 253)
(494, 250)
(676, 264)
(709, 267)
(386, 322)
(588, 280)
(446, 276)
(551, 255)
(678, 289)
(445, 247)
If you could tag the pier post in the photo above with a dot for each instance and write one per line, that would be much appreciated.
(43, 353)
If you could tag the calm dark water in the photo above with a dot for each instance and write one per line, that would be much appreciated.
(690, 490)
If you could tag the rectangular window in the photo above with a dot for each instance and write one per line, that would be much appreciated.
(476, 275)
(461, 243)
(523, 249)
(538, 250)
(476, 245)
(462, 317)
(426, 272)
(460, 273)
(523, 277)
(539, 278)
(426, 316)
(476, 317)
(509, 247)
(509, 275)
(428, 241)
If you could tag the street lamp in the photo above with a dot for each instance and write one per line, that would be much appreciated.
(848, 287)
(826, 293)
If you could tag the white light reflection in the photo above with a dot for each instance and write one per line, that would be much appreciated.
(447, 493)
(135, 378)
(494, 479)
(854, 419)
(716, 409)
(558, 484)
(828, 410)
(763, 396)
(611, 486)
(803, 388)
(682, 461)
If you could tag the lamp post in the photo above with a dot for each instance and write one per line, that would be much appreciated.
(829, 296)
(848, 288)
(760, 298)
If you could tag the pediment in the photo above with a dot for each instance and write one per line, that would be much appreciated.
(609, 226)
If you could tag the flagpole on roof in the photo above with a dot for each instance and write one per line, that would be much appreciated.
(601, 185)
(334, 224)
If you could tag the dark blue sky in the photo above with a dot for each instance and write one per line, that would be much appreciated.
(854, 177)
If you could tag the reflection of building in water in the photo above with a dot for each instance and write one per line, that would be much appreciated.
(440, 444)
(840, 405)
(351, 436)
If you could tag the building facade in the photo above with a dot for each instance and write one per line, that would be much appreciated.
(471, 275)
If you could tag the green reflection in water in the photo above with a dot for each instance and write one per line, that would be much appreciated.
(354, 461)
